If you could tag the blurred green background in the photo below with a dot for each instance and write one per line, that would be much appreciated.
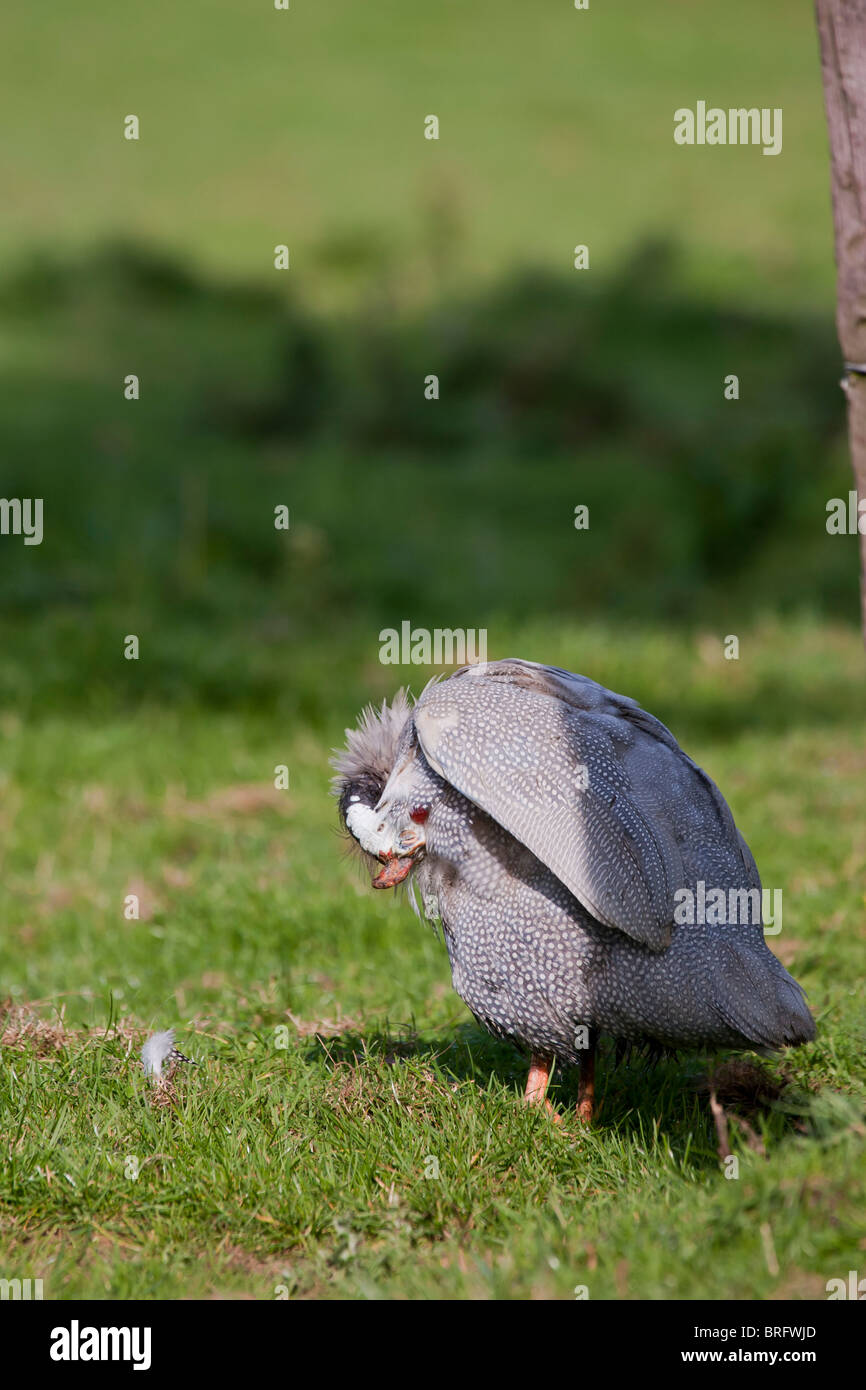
(306, 388)
(408, 257)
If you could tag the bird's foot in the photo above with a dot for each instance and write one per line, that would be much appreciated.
(536, 1086)
(586, 1084)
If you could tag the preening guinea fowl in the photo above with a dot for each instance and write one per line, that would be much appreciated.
(556, 830)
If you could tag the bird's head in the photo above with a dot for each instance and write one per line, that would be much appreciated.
(389, 833)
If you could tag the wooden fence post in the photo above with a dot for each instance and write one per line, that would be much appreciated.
(842, 33)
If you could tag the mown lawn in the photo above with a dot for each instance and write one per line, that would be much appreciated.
(338, 1073)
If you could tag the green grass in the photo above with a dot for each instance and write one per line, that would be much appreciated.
(303, 1166)
(306, 127)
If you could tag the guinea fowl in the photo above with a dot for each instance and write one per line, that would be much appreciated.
(562, 838)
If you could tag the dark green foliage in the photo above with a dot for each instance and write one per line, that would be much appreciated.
(456, 512)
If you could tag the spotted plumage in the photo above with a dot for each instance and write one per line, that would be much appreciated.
(552, 827)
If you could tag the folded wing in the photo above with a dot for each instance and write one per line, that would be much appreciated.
(517, 742)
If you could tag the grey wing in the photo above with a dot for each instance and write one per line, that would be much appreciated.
(547, 755)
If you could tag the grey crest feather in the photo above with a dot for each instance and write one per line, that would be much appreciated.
(370, 748)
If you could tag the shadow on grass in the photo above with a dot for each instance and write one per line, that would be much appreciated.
(639, 1096)
(453, 511)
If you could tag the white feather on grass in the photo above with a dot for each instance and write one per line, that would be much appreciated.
(158, 1049)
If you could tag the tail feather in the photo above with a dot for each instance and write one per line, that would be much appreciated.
(755, 995)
